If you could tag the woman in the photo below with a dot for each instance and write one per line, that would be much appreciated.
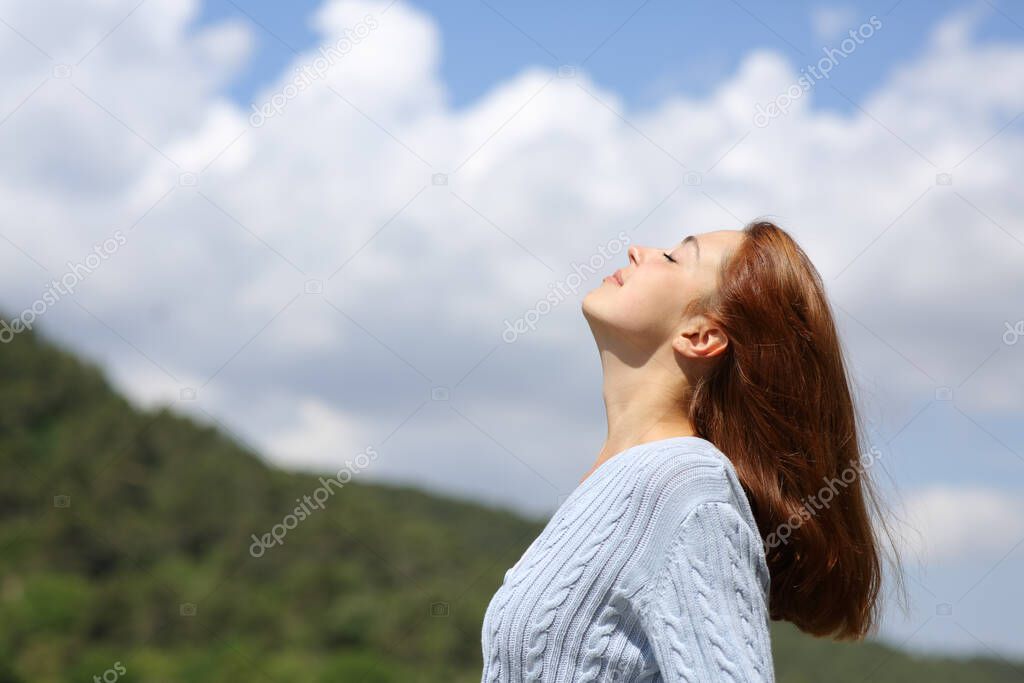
(730, 490)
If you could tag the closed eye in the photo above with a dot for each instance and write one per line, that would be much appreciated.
(669, 257)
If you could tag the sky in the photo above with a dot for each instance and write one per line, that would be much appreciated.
(312, 224)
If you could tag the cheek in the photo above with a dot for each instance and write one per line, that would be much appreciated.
(650, 305)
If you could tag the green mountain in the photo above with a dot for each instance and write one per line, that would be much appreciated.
(127, 553)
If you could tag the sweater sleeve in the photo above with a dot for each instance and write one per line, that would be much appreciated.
(704, 611)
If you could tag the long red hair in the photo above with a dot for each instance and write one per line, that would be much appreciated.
(779, 405)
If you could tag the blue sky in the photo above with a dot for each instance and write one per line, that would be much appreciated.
(642, 50)
(304, 283)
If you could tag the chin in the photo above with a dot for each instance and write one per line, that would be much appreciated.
(587, 305)
(592, 308)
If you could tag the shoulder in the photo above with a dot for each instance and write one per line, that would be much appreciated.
(674, 475)
(681, 487)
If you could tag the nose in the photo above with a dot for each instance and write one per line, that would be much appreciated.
(638, 254)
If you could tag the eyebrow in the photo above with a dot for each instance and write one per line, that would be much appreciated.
(696, 245)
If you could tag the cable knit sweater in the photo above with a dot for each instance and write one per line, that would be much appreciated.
(651, 570)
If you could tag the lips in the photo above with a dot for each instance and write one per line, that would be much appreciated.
(617, 276)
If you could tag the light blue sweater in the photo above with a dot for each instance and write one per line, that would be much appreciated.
(651, 570)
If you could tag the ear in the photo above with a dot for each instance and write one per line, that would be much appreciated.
(699, 337)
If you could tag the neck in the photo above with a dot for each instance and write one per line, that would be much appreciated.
(644, 401)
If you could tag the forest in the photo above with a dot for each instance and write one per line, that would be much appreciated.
(126, 554)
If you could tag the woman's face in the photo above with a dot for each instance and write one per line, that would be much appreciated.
(646, 298)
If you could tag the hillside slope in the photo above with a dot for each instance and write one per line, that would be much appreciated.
(125, 549)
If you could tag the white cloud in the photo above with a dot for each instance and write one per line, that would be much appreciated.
(209, 290)
(541, 170)
(321, 438)
(947, 523)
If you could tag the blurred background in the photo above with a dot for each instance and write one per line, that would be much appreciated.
(293, 366)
